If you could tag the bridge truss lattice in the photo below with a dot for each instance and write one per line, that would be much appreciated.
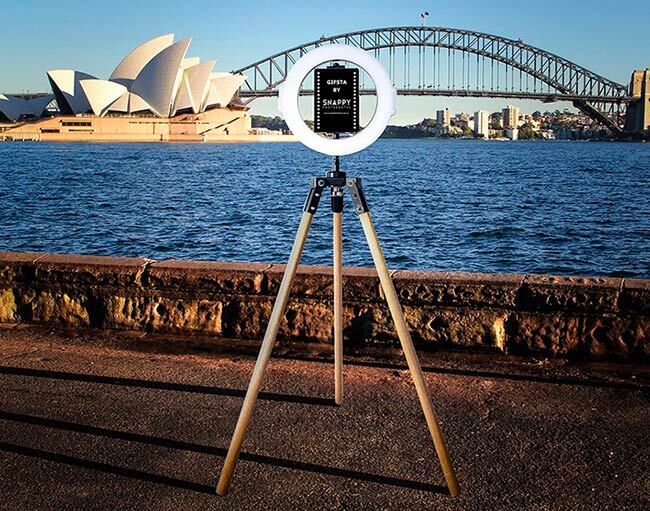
(438, 61)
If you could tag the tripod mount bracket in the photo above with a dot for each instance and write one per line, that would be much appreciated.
(337, 181)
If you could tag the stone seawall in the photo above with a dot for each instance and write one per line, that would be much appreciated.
(571, 317)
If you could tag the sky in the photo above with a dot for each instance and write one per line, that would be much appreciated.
(93, 36)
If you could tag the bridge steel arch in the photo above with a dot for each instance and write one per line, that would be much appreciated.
(602, 99)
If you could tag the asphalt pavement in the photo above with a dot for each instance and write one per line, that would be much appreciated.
(106, 421)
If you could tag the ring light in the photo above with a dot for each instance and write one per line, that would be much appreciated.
(290, 90)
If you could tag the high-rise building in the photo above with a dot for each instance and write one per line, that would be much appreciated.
(510, 117)
(443, 118)
(482, 124)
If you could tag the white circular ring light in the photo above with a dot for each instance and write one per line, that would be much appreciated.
(290, 90)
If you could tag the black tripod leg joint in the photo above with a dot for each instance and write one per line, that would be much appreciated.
(358, 197)
(315, 193)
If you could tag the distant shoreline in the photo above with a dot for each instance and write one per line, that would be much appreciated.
(250, 139)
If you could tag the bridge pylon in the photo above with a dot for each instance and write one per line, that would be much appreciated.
(637, 116)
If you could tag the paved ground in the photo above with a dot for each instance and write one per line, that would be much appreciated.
(99, 421)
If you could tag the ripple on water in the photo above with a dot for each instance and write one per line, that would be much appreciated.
(558, 207)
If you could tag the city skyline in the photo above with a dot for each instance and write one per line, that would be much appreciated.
(69, 36)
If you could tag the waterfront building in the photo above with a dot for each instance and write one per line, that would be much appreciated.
(482, 124)
(443, 118)
(265, 131)
(13, 108)
(155, 93)
(155, 78)
(510, 117)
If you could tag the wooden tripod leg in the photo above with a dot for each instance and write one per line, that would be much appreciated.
(338, 308)
(264, 356)
(410, 353)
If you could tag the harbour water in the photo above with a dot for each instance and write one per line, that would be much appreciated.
(563, 208)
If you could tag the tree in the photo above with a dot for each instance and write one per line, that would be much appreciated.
(496, 120)
(527, 132)
(272, 123)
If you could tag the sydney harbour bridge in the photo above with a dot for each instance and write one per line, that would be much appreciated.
(437, 61)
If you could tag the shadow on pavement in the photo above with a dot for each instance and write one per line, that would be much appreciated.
(186, 446)
(162, 385)
(105, 467)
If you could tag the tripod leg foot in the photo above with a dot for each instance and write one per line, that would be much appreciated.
(409, 352)
(264, 356)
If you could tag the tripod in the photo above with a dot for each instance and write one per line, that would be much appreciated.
(337, 181)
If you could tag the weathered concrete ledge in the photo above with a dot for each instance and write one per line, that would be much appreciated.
(571, 317)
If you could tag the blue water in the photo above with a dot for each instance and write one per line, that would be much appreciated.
(525, 207)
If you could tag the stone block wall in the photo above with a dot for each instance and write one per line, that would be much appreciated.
(571, 317)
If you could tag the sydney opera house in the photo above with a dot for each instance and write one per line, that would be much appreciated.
(155, 93)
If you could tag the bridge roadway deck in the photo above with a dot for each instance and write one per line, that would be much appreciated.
(544, 97)
(106, 421)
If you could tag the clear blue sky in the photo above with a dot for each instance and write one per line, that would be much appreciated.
(93, 36)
